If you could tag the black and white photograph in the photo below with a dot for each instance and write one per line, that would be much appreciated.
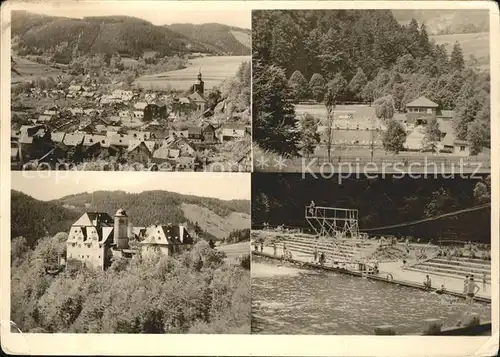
(149, 254)
(371, 90)
(137, 89)
(371, 256)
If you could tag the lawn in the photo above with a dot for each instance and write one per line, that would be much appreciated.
(30, 70)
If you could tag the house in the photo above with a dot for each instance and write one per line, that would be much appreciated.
(50, 112)
(154, 111)
(72, 139)
(124, 114)
(76, 111)
(119, 140)
(166, 239)
(57, 136)
(34, 142)
(185, 148)
(138, 114)
(198, 101)
(421, 110)
(92, 144)
(44, 118)
(95, 238)
(194, 133)
(140, 151)
(165, 154)
(179, 133)
(185, 162)
(208, 133)
(139, 135)
(231, 131)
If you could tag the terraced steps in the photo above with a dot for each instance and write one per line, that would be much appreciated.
(467, 269)
(448, 273)
(475, 264)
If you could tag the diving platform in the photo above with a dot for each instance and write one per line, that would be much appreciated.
(333, 222)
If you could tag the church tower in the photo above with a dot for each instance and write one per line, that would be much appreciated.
(120, 231)
(199, 85)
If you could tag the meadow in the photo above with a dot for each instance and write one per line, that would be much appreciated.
(30, 70)
(214, 69)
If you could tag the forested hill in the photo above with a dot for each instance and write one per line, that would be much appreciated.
(281, 199)
(441, 22)
(34, 219)
(360, 55)
(221, 38)
(37, 34)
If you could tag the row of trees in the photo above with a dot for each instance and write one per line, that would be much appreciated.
(280, 199)
(408, 66)
(196, 292)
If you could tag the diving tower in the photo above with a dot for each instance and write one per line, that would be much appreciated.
(333, 222)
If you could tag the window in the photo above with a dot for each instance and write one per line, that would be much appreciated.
(462, 148)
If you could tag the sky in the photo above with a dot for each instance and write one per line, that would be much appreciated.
(45, 185)
(156, 12)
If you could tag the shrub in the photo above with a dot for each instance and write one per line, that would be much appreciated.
(245, 262)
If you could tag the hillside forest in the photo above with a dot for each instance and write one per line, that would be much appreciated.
(199, 291)
(282, 198)
(357, 56)
(33, 219)
(196, 292)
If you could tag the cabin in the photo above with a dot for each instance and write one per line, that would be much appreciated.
(208, 133)
(421, 110)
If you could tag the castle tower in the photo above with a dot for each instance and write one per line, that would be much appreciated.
(199, 85)
(120, 231)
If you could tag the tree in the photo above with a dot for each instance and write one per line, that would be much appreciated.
(298, 85)
(481, 193)
(358, 82)
(334, 88)
(424, 41)
(398, 93)
(317, 87)
(275, 122)
(478, 134)
(457, 58)
(394, 137)
(368, 92)
(18, 248)
(213, 98)
(432, 134)
(384, 108)
(309, 130)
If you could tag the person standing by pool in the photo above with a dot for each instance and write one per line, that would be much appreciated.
(427, 283)
(466, 282)
(261, 246)
(472, 290)
(274, 248)
(315, 255)
(484, 281)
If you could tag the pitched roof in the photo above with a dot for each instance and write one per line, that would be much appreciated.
(140, 105)
(167, 235)
(44, 117)
(194, 130)
(166, 153)
(196, 97)
(94, 219)
(73, 139)
(422, 102)
(234, 126)
(119, 140)
(184, 100)
(133, 144)
(57, 136)
(90, 140)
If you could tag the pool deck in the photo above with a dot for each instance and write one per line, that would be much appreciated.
(408, 278)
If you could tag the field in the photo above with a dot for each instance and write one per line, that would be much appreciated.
(235, 251)
(214, 224)
(214, 69)
(30, 70)
(477, 44)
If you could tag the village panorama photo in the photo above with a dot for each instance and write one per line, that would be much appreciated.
(388, 90)
(97, 88)
(156, 253)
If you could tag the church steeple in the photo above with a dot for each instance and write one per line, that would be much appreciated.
(199, 85)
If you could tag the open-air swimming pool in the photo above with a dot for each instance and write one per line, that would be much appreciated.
(292, 301)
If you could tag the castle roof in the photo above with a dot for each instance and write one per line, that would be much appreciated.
(167, 235)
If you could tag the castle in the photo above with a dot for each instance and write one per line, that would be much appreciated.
(96, 238)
